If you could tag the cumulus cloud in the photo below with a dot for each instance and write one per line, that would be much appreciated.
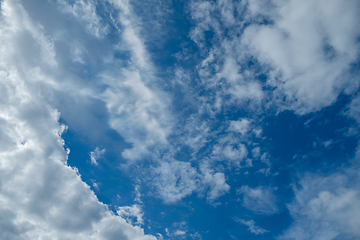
(308, 48)
(325, 207)
(41, 197)
(260, 200)
(40, 194)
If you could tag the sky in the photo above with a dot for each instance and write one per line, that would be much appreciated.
(167, 120)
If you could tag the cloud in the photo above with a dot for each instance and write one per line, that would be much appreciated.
(137, 113)
(304, 49)
(252, 228)
(41, 197)
(135, 211)
(174, 180)
(85, 11)
(242, 126)
(96, 154)
(260, 200)
(326, 207)
(40, 194)
(138, 109)
(179, 233)
(229, 151)
(308, 48)
(215, 180)
(353, 109)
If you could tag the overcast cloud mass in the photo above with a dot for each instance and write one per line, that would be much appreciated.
(128, 119)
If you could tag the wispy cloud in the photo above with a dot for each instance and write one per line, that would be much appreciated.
(325, 207)
(96, 154)
(252, 227)
(297, 45)
(138, 110)
(260, 200)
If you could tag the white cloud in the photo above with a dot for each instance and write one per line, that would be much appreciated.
(308, 48)
(96, 154)
(179, 233)
(326, 207)
(328, 143)
(202, 13)
(137, 113)
(138, 109)
(229, 148)
(252, 228)
(40, 196)
(221, 71)
(256, 152)
(233, 153)
(85, 11)
(127, 212)
(260, 200)
(174, 180)
(354, 108)
(215, 180)
(304, 48)
(242, 126)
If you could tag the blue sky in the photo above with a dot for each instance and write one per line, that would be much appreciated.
(151, 120)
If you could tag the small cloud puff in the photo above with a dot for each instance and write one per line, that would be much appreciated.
(242, 126)
(96, 154)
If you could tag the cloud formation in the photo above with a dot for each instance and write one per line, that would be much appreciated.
(260, 200)
(325, 207)
(96, 154)
(41, 196)
(252, 228)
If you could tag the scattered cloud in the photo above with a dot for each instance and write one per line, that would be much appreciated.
(92, 65)
(325, 207)
(85, 11)
(215, 180)
(135, 211)
(353, 110)
(252, 228)
(260, 200)
(174, 180)
(307, 46)
(96, 154)
(242, 126)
